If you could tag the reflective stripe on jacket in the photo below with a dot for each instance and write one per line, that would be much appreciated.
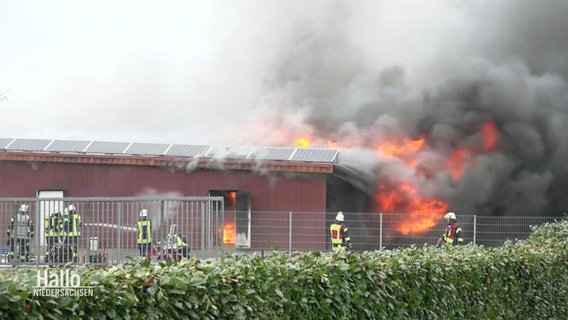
(72, 224)
(53, 226)
(452, 235)
(339, 237)
(144, 231)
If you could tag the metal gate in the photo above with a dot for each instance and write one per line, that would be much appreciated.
(105, 230)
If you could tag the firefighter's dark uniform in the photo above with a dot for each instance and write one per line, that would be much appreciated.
(20, 232)
(53, 229)
(72, 228)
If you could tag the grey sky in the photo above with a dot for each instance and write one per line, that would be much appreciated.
(176, 71)
(269, 72)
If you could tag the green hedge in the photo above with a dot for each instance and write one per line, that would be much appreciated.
(520, 280)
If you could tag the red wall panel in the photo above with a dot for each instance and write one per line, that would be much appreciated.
(303, 192)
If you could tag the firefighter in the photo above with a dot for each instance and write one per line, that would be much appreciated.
(72, 228)
(453, 233)
(144, 227)
(176, 243)
(20, 232)
(183, 248)
(340, 240)
(53, 229)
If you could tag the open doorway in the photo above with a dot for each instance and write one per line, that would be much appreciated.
(51, 203)
(236, 229)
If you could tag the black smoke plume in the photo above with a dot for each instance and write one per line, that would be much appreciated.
(506, 63)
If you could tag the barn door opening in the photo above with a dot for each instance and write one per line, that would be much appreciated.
(237, 216)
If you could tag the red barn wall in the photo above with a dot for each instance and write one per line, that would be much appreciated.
(304, 193)
(269, 192)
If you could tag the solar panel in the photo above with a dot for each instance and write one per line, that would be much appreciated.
(29, 144)
(316, 155)
(181, 150)
(107, 147)
(264, 153)
(67, 146)
(4, 142)
(186, 150)
(147, 148)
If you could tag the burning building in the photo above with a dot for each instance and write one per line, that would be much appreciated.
(252, 180)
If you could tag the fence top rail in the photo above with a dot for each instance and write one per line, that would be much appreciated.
(94, 199)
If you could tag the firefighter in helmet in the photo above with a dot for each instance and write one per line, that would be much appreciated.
(453, 233)
(53, 229)
(72, 225)
(20, 232)
(144, 226)
(340, 240)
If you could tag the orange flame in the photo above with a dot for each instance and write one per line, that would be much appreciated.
(405, 151)
(402, 196)
(459, 157)
(422, 212)
(407, 148)
(457, 161)
(489, 134)
(302, 143)
(229, 233)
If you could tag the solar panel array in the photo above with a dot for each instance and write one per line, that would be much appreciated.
(175, 150)
(67, 146)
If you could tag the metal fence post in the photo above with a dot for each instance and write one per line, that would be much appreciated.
(474, 228)
(203, 217)
(118, 233)
(290, 232)
(37, 241)
(380, 231)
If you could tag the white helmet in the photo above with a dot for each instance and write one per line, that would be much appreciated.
(71, 208)
(450, 216)
(143, 213)
(339, 216)
(24, 208)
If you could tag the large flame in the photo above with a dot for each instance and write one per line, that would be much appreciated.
(403, 195)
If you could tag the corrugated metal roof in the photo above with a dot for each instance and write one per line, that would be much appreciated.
(313, 155)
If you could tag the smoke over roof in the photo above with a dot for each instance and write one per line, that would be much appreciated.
(504, 64)
(483, 83)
